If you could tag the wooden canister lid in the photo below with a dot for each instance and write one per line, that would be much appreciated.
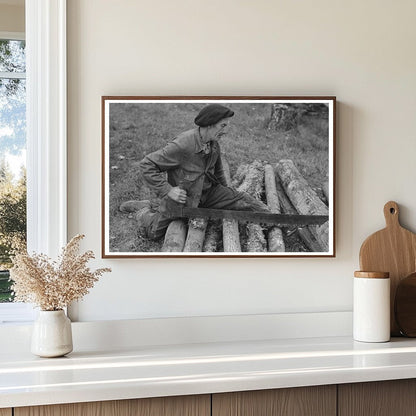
(372, 275)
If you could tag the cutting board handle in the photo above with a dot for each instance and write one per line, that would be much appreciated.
(391, 214)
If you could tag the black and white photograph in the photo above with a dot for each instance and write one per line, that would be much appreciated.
(218, 176)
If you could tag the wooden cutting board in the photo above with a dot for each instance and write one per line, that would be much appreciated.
(405, 306)
(393, 250)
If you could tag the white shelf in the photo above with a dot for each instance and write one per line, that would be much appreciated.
(151, 371)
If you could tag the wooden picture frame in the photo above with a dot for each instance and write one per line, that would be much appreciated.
(278, 150)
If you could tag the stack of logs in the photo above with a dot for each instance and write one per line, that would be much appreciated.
(286, 191)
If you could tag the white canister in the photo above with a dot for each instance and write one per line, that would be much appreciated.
(371, 322)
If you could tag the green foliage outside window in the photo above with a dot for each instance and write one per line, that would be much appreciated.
(12, 224)
(12, 145)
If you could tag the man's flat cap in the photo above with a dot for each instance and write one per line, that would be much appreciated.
(212, 114)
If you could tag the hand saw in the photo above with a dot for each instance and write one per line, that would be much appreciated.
(279, 220)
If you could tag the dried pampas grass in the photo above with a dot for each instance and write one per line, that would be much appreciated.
(53, 285)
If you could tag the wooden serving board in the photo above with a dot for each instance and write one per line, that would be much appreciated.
(405, 306)
(393, 250)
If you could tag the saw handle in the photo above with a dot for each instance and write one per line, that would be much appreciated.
(178, 195)
(172, 208)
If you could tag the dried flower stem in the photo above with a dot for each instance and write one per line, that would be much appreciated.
(53, 285)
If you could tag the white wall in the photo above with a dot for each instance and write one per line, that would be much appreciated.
(363, 52)
(12, 17)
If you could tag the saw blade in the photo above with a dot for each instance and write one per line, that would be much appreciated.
(279, 220)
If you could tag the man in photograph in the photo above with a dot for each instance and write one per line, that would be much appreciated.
(189, 171)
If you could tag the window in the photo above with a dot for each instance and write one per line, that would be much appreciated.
(46, 135)
(12, 153)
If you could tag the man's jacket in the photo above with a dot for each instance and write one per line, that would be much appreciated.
(186, 164)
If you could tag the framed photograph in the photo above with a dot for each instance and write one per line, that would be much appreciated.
(218, 177)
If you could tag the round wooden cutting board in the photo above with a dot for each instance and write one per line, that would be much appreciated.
(405, 306)
(393, 250)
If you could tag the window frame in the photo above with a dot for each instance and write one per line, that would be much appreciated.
(46, 138)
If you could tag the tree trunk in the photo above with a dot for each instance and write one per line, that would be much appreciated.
(304, 199)
(288, 208)
(196, 235)
(253, 185)
(230, 232)
(283, 117)
(275, 236)
(175, 237)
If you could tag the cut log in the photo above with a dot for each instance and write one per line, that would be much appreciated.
(239, 176)
(230, 232)
(253, 185)
(275, 235)
(288, 208)
(196, 235)
(321, 194)
(175, 237)
(253, 180)
(231, 236)
(256, 242)
(304, 199)
(212, 237)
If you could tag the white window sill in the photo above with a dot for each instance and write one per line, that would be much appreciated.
(16, 313)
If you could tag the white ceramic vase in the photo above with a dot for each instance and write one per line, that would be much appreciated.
(52, 334)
